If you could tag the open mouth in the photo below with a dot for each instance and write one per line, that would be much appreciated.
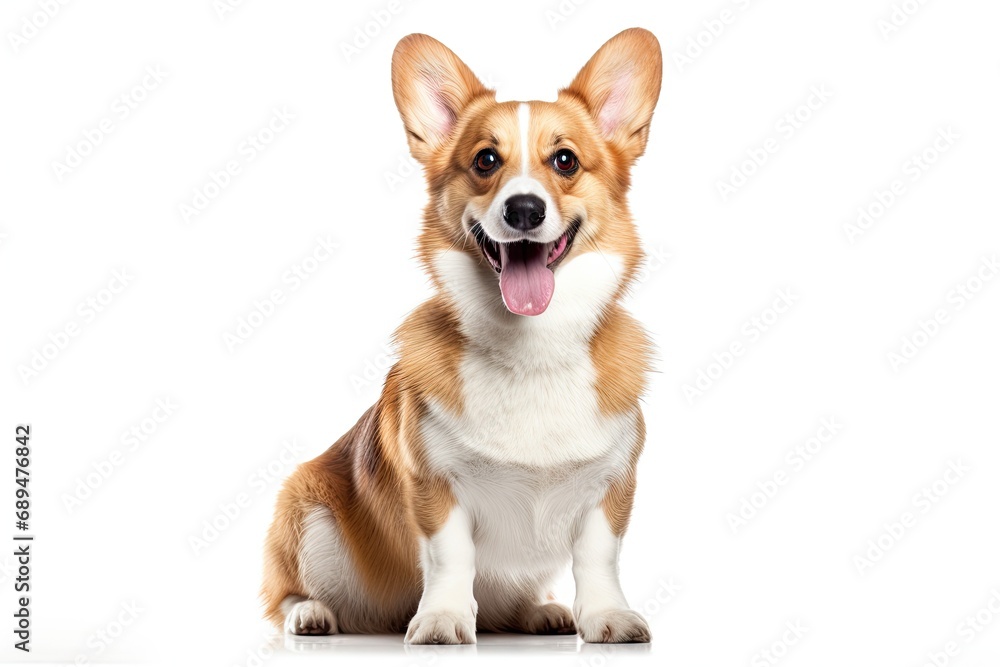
(495, 252)
(525, 267)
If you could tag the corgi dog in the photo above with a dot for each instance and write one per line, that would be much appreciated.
(505, 441)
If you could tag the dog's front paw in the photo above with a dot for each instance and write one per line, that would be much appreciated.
(551, 618)
(441, 627)
(311, 617)
(618, 626)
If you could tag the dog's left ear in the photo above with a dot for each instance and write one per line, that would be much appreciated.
(620, 85)
(432, 87)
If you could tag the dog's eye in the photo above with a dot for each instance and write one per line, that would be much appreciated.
(486, 161)
(565, 161)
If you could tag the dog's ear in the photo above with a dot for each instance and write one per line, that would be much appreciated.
(431, 86)
(620, 85)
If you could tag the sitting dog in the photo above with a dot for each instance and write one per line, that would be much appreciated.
(505, 441)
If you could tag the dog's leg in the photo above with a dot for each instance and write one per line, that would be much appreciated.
(547, 618)
(308, 617)
(447, 611)
(320, 570)
(602, 614)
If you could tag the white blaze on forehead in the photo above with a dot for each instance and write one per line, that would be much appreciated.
(521, 184)
(524, 124)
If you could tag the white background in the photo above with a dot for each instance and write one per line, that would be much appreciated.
(301, 375)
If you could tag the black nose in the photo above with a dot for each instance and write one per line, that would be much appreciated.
(524, 212)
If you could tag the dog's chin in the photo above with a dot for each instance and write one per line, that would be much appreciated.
(525, 268)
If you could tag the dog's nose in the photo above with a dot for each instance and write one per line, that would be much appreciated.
(524, 212)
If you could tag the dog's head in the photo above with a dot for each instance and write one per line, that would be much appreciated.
(524, 189)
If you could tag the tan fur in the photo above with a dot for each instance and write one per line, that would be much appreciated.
(599, 189)
(356, 479)
(420, 59)
(621, 351)
(617, 502)
(380, 502)
(375, 481)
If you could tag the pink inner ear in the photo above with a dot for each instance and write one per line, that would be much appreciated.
(446, 117)
(439, 118)
(615, 107)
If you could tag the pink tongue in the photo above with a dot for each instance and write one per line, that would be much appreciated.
(525, 281)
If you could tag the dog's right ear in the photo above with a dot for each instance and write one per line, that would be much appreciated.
(620, 86)
(431, 86)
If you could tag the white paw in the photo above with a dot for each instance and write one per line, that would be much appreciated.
(618, 626)
(311, 617)
(441, 627)
(551, 618)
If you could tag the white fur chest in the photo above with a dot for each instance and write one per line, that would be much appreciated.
(527, 478)
(531, 451)
(536, 417)
(528, 385)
